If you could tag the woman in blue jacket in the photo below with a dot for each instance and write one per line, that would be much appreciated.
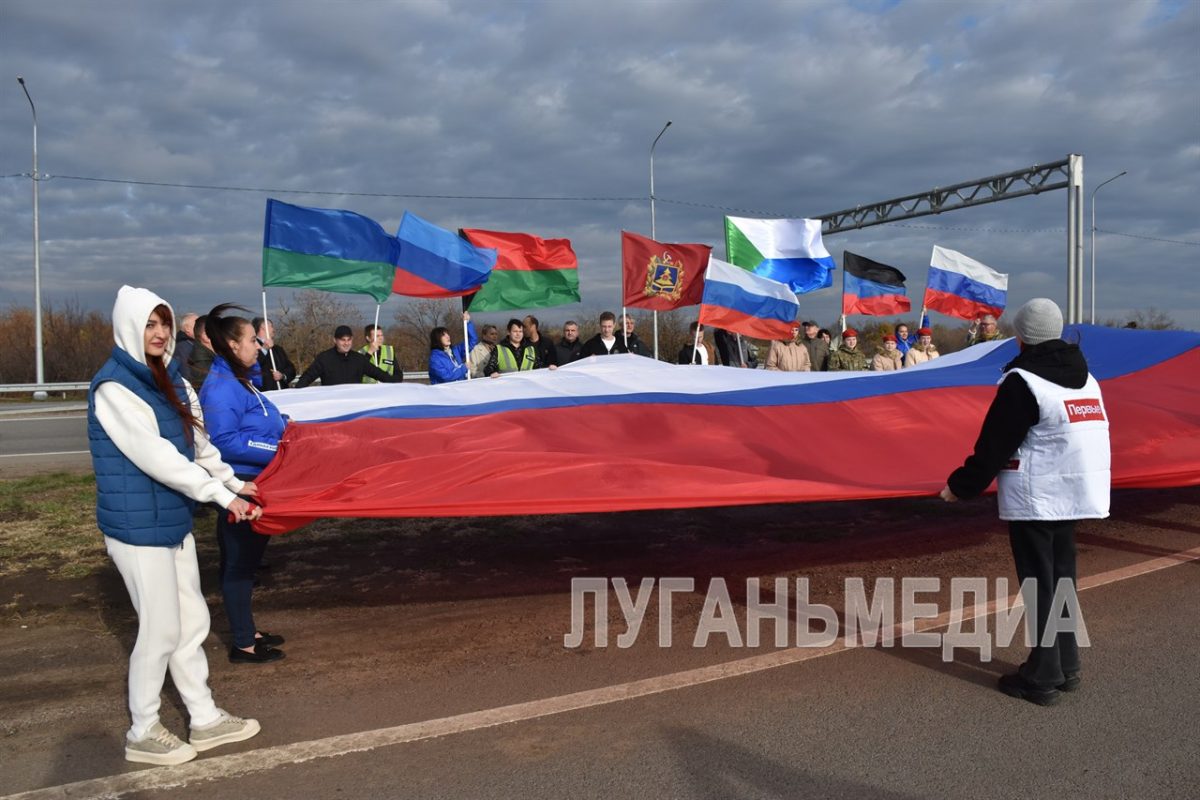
(448, 364)
(246, 427)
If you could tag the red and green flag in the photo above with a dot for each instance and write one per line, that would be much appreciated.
(530, 272)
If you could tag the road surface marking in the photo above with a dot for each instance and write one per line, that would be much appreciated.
(43, 419)
(33, 455)
(267, 758)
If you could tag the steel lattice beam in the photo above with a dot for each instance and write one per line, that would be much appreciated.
(1031, 180)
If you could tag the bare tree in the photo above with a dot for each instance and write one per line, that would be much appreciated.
(305, 327)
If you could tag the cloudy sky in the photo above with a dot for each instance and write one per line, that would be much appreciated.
(778, 109)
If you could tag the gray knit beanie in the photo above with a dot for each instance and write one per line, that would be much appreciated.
(1039, 320)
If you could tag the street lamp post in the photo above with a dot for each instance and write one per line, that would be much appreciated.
(37, 262)
(653, 232)
(1110, 180)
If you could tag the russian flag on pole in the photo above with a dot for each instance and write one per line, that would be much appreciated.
(962, 287)
(435, 262)
(786, 250)
(749, 304)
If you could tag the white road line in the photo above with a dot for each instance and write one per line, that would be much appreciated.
(267, 758)
(43, 419)
(34, 455)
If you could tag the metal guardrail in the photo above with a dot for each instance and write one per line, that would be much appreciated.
(30, 388)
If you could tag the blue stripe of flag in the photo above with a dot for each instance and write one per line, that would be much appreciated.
(442, 257)
(800, 274)
(728, 295)
(860, 287)
(958, 284)
(328, 232)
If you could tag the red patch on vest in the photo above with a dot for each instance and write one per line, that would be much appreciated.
(1087, 410)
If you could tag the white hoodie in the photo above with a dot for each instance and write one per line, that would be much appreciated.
(131, 425)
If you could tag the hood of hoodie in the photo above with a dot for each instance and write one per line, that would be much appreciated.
(130, 314)
(1057, 361)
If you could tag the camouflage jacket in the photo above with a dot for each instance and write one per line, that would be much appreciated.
(846, 359)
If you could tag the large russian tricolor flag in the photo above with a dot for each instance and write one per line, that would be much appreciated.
(745, 303)
(960, 286)
(435, 262)
(623, 432)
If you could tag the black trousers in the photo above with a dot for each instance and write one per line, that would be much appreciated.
(1045, 552)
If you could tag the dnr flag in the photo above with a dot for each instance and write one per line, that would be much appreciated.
(872, 288)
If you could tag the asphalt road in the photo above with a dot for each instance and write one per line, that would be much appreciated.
(42, 439)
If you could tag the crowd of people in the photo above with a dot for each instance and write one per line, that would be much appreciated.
(522, 346)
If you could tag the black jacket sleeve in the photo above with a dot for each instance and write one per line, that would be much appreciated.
(285, 365)
(375, 372)
(1012, 413)
(493, 363)
(315, 370)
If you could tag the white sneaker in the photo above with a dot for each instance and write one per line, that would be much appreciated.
(226, 730)
(158, 746)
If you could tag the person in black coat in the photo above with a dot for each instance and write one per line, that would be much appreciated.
(547, 354)
(569, 347)
(606, 342)
(342, 364)
(276, 370)
(632, 342)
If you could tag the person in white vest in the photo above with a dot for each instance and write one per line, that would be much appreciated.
(1045, 441)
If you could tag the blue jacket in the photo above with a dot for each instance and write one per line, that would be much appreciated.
(131, 506)
(442, 369)
(243, 424)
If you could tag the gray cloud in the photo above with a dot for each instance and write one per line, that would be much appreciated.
(788, 108)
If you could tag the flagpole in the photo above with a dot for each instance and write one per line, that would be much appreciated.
(656, 330)
(653, 232)
(696, 344)
(466, 346)
(267, 327)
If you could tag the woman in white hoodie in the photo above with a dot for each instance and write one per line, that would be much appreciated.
(153, 462)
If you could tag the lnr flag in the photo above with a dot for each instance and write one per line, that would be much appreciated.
(662, 276)
(530, 272)
(872, 288)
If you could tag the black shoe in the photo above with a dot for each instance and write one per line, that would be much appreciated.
(1071, 681)
(261, 655)
(269, 639)
(1016, 686)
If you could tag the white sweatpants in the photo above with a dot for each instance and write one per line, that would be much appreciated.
(164, 585)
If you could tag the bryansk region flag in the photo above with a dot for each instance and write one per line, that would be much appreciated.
(661, 275)
(327, 249)
(962, 287)
(530, 272)
(749, 304)
(786, 250)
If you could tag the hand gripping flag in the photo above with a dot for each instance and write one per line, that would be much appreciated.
(660, 275)
(327, 249)
(786, 250)
(749, 304)
(872, 288)
(962, 287)
(435, 262)
(530, 272)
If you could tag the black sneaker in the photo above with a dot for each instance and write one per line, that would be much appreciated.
(1071, 681)
(269, 639)
(1016, 686)
(261, 654)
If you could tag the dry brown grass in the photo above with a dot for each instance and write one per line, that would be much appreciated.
(48, 522)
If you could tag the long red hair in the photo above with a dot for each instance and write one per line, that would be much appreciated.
(162, 380)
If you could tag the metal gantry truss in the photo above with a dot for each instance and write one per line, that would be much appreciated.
(1065, 174)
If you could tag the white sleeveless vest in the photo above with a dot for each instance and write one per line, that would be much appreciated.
(1062, 470)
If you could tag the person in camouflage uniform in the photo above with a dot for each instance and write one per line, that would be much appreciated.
(984, 329)
(848, 357)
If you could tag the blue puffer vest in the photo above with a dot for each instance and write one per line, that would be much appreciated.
(131, 506)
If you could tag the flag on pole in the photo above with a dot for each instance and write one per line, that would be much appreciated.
(962, 287)
(749, 304)
(435, 262)
(530, 272)
(327, 249)
(786, 250)
(662, 276)
(872, 288)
